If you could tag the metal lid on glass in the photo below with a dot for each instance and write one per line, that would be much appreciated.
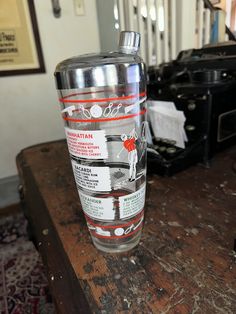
(123, 66)
(127, 53)
(129, 42)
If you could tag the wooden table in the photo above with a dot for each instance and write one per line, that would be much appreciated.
(185, 262)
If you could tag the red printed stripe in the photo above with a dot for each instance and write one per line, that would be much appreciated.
(117, 226)
(116, 237)
(106, 119)
(65, 100)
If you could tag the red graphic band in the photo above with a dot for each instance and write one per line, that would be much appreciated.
(114, 236)
(65, 100)
(106, 119)
(136, 219)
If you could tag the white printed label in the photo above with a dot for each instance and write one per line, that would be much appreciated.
(92, 178)
(87, 144)
(97, 208)
(133, 203)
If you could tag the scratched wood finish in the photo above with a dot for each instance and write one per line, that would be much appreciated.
(185, 262)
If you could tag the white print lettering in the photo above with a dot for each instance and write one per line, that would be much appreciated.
(87, 144)
(85, 112)
(99, 230)
(133, 203)
(109, 111)
(133, 106)
(124, 231)
(92, 178)
(95, 111)
(116, 232)
(97, 207)
(69, 110)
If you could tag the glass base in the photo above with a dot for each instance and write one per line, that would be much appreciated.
(116, 246)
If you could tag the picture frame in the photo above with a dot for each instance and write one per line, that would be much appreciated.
(20, 46)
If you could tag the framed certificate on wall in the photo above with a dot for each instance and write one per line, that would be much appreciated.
(20, 47)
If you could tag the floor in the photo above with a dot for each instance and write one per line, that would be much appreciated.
(23, 282)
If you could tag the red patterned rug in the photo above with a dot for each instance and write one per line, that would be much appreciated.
(23, 283)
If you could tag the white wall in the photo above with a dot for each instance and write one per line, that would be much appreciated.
(109, 36)
(29, 108)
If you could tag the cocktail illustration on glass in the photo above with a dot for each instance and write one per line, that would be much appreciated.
(103, 107)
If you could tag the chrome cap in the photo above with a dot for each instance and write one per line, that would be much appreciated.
(129, 42)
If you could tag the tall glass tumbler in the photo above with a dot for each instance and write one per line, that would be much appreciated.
(103, 106)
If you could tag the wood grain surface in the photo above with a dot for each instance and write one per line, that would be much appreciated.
(185, 261)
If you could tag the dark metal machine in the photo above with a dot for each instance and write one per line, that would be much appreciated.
(202, 84)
